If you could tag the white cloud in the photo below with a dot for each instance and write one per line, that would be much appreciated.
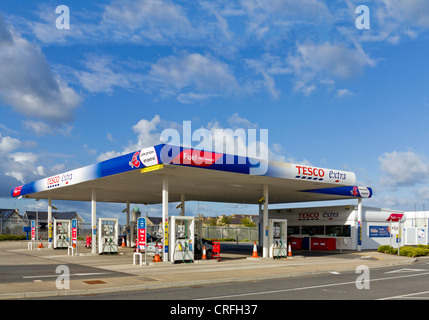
(110, 137)
(342, 93)
(8, 144)
(423, 193)
(391, 20)
(103, 75)
(213, 137)
(269, 66)
(138, 20)
(277, 16)
(22, 166)
(147, 135)
(235, 121)
(408, 12)
(316, 64)
(40, 128)
(44, 28)
(28, 84)
(192, 76)
(336, 60)
(403, 169)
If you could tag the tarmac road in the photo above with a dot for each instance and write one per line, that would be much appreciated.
(388, 283)
(32, 273)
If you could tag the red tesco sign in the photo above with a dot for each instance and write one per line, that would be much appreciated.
(74, 231)
(310, 171)
(141, 233)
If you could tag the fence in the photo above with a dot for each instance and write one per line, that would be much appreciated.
(12, 226)
(236, 233)
(84, 229)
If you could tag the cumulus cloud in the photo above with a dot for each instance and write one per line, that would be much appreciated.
(241, 139)
(16, 167)
(403, 169)
(148, 134)
(27, 82)
(8, 144)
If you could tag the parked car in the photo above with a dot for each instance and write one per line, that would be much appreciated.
(200, 246)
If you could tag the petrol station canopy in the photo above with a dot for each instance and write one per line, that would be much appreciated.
(138, 177)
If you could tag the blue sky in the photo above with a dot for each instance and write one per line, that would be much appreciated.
(330, 94)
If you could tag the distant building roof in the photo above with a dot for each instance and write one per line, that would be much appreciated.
(43, 215)
(155, 220)
(7, 213)
(237, 219)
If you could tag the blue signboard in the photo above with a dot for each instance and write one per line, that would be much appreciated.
(379, 232)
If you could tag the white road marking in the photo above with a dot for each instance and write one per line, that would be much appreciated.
(406, 270)
(405, 296)
(72, 274)
(310, 287)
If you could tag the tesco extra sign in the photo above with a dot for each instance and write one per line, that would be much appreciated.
(310, 171)
(308, 216)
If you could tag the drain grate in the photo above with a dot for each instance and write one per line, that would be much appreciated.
(94, 282)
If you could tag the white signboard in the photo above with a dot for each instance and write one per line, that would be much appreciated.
(394, 229)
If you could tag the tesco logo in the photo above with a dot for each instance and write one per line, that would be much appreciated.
(308, 216)
(53, 180)
(310, 171)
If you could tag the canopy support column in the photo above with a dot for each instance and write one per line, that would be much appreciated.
(265, 223)
(50, 223)
(182, 202)
(93, 221)
(128, 225)
(359, 232)
(165, 218)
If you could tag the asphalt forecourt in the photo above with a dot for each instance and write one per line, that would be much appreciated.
(49, 273)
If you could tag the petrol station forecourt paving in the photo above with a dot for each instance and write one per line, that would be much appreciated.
(165, 173)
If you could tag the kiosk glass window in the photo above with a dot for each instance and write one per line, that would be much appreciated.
(293, 231)
(313, 230)
(338, 231)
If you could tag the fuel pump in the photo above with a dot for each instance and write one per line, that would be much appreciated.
(62, 234)
(182, 235)
(108, 235)
(277, 238)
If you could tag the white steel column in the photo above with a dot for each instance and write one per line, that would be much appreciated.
(182, 202)
(165, 218)
(265, 223)
(359, 234)
(261, 221)
(128, 225)
(93, 221)
(49, 223)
